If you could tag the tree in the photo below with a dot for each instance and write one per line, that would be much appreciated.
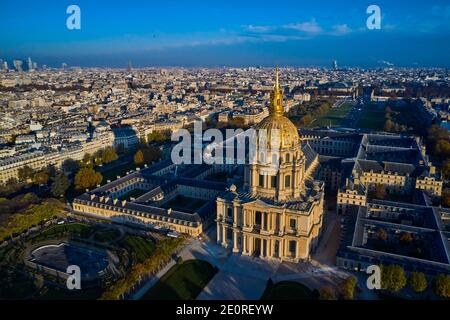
(446, 197)
(446, 169)
(389, 125)
(41, 177)
(70, 165)
(152, 154)
(393, 278)
(87, 161)
(87, 178)
(348, 288)
(159, 136)
(382, 234)
(25, 173)
(442, 285)
(139, 158)
(438, 140)
(380, 191)
(306, 120)
(109, 155)
(60, 185)
(406, 237)
(417, 282)
(327, 293)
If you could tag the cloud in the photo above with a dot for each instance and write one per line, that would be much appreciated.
(301, 30)
(258, 29)
(340, 30)
(311, 27)
(387, 63)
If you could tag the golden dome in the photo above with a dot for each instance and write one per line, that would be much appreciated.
(286, 130)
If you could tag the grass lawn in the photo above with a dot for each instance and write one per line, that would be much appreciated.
(334, 116)
(79, 229)
(372, 118)
(287, 290)
(184, 281)
(141, 249)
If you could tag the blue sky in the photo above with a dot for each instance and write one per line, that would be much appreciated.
(227, 33)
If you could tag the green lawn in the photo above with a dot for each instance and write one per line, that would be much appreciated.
(184, 281)
(287, 290)
(79, 229)
(334, 116)
(372, 118)
(140, 249)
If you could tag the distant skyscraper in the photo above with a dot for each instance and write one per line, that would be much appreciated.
(63, 65)
(335, 65)
(129, 66)
(30, 64)
(5, 65)
(18, 65)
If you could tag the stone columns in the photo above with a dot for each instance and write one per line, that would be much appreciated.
(244, 244)
(224, 235)
(219, 239)
(235, 242)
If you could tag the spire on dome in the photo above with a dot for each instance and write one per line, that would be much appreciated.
(276, 103)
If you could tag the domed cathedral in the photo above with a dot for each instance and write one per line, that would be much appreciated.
(277, 213)
(279, 169)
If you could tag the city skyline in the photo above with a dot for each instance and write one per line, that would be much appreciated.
(228, 34)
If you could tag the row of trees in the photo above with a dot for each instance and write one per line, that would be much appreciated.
(159, 136)
(147, 154)
(101, 157)
(85, 177)
(390, 125)
(304, 114)
(393, 278)
(438, 141)
(345, 291)
(58, 180)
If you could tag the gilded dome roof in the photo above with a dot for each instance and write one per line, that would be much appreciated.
(286, 131)
(276, 124)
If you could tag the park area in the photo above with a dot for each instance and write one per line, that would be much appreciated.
(333, 117)
(21, 281)
(184, 281)
(372, 118)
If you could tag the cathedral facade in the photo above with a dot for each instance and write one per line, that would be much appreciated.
(278, 211)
